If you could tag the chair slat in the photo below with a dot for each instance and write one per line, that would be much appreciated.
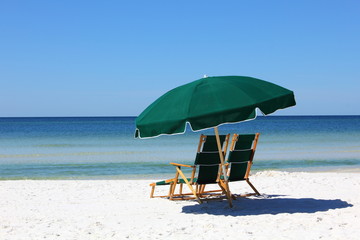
(211, 144)
(240, 156)
(244, 141)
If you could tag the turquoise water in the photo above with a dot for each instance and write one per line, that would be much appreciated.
(96, 147)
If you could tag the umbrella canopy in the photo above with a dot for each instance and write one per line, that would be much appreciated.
(209, 102)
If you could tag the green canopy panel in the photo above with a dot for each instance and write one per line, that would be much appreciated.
(209, 102)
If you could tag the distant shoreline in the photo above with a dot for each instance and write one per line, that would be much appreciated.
(158, 176)
(259, 116)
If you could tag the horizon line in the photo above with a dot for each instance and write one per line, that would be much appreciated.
(128, 116)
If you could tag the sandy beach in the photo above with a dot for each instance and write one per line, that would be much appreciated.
(293, 206)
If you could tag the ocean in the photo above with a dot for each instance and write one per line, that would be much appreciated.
(105, 147)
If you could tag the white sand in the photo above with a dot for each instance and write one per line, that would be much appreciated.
(299, 206)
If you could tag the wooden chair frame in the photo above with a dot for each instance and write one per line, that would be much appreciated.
(250, 163)
(199, 191)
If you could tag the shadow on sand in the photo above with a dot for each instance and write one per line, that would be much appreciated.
(272, 204)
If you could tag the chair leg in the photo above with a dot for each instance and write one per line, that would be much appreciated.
(189, 185)
(202, 189)
(162, 196)
(253, 188)
(226, 190)
(173, 186)
(171, 190)
(233, 197)
(181, 188)
(152, 191)
(222, 187)
(228, 193)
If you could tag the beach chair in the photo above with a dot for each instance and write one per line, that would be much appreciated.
(240, 159)
(206, 170)
(207, 154)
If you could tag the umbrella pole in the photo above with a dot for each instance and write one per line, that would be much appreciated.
(228, 194)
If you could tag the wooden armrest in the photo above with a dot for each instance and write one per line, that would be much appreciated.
(165, 181)
(169, 180)
(181, 165)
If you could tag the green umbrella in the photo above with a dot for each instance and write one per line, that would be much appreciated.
(210, 102)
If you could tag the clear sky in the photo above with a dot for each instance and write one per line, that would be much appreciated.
(113, 58)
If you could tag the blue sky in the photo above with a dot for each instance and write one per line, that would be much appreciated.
(113, 58)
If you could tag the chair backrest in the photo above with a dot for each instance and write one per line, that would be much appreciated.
(208, 158)
(241, 155)
(208, 143)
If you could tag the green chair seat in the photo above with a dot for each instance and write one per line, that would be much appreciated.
(180, 180)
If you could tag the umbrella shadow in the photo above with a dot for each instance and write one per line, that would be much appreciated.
(272, 204)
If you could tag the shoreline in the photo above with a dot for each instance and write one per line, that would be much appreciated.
(322, 205)
(161, 176)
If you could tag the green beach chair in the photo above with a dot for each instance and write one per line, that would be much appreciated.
(207, 163)
(241, 157)
(206, 170)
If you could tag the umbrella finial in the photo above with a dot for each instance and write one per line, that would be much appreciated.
(205, 76)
